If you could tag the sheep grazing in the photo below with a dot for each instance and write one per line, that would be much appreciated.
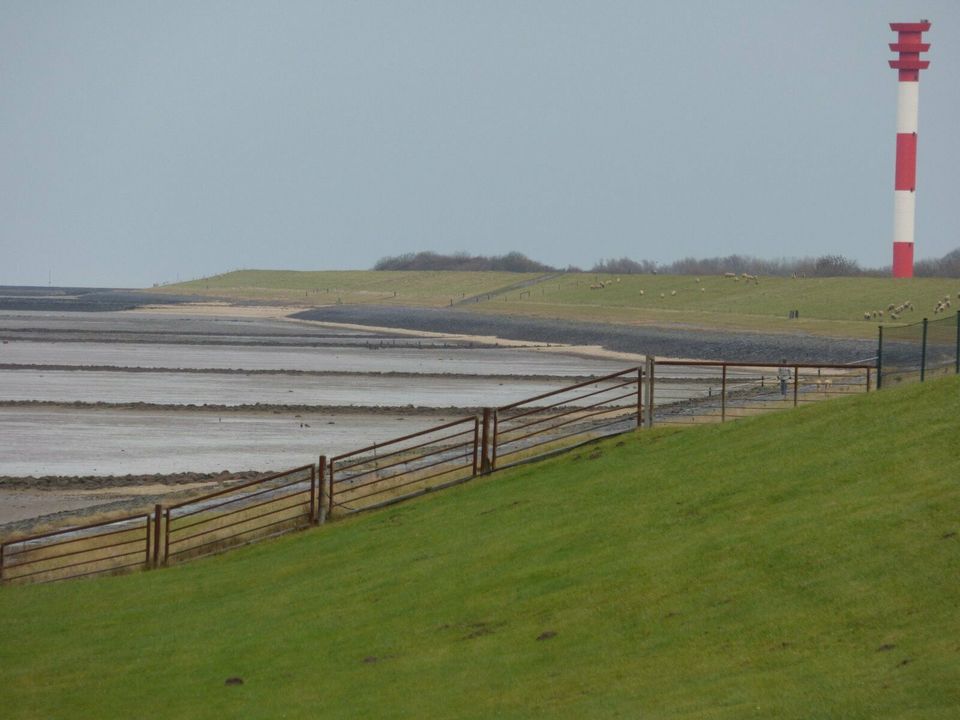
(662, 295)
(672, 293)
(866, 316)
(703, 289)
(698, 279)
(890, 307)
(641, 293)
(730, 275)
(894, 316)
(597, 287)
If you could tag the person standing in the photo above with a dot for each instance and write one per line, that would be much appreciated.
(783, 374)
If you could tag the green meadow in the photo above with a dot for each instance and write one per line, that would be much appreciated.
(797, 565)
(826, 306)
(829, 306)
(311, 288)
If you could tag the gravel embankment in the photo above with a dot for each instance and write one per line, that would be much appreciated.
(664, 342)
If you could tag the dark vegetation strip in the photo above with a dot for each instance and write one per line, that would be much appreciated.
(251, 408)
(309, 373)
(644, 340)
(405, 343)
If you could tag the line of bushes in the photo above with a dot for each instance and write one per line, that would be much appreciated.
(823, 266)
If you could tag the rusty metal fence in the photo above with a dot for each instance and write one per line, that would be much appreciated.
(238, 515)
(688, 392)
(560, 419)
(664, 392)
(108, 547)
(405, 467)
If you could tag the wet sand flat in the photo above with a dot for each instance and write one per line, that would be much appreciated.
(172, 388)
(475, 361)
(52, 441)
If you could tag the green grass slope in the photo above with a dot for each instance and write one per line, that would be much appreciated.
(833, 306)
(351, 286)
(798, 565)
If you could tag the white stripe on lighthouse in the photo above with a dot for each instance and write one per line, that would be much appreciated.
(904, 209)
(908, 103)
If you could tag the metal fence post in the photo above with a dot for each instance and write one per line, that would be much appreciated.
(796, 383)
(166, 536)
(330, 495)
(476, 445)
(157, 519)
(958, 343)
(148, 556)
(723, 393)
(321, 490)
(880, 358)
(485, 442)
(311, 517)
(868, 379)
(649, 370)
(923, 352)
(639, 397)
(493, 453)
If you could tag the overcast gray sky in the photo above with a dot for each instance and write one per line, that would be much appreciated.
(145, 141)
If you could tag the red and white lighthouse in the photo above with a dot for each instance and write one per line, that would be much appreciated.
(909, 45)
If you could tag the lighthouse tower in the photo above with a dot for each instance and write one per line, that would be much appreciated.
(909, 45)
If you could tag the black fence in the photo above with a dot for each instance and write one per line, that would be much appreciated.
(915, 352)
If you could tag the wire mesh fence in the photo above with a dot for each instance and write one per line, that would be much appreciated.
(915, 352)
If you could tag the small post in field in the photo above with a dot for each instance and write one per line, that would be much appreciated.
(639, 397)
(649, 367)
(723, 393)
(485, 443)
(312, 517)
(321, 490)
(923, 352)
(157, 519)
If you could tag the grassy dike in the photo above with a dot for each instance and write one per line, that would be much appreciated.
(797, 565)
(827, 306)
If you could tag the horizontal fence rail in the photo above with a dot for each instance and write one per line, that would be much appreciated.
(240, 514)
(556, 420)
(104, 548)
(687, 392)
(404, 467)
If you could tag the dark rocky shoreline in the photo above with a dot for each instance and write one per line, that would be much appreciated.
(644, 340)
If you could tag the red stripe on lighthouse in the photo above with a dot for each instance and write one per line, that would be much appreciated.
(903, 260)
(906, 173)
